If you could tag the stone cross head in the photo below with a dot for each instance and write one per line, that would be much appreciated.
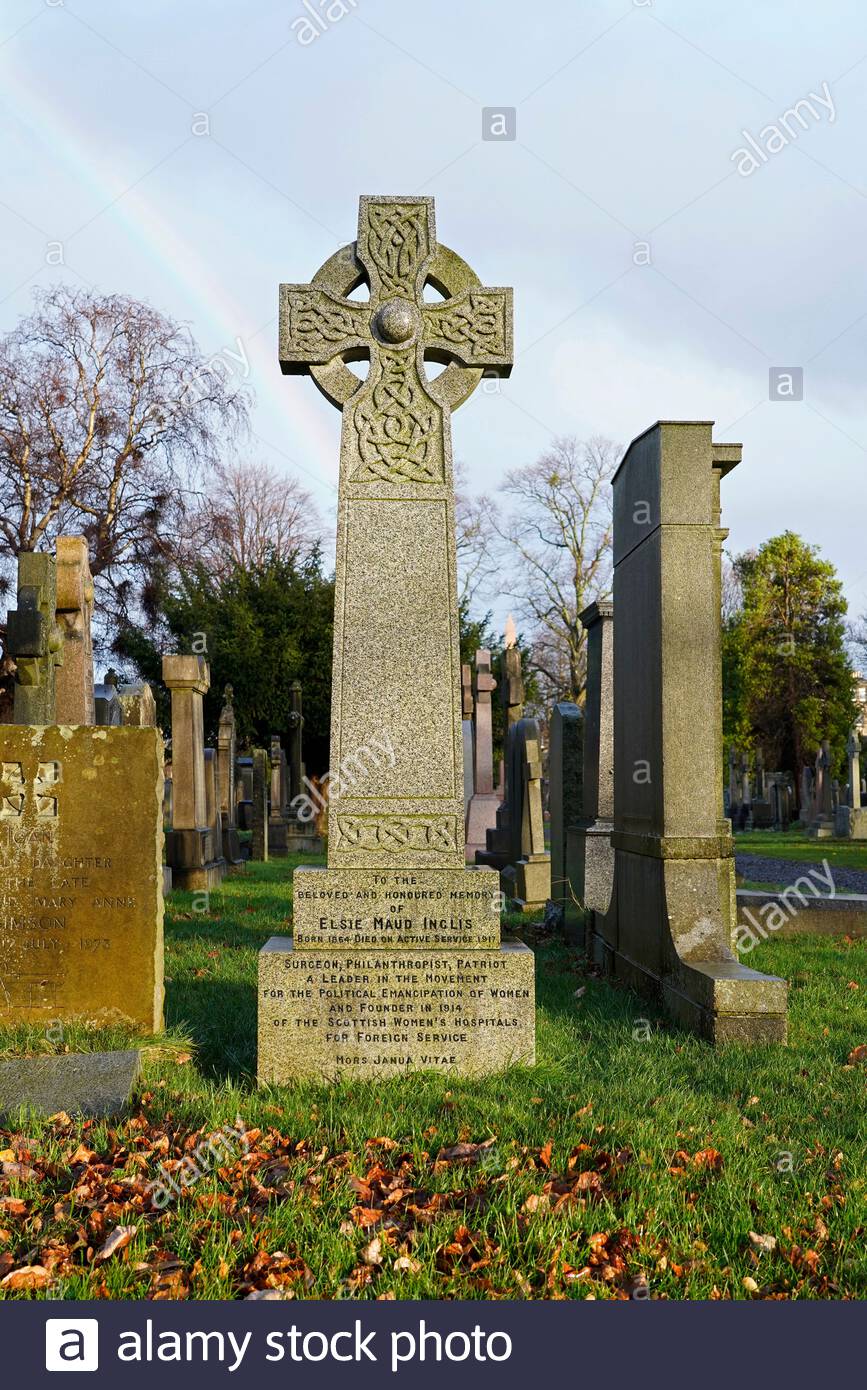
(396, 422)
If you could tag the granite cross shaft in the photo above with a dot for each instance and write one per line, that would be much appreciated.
(396, 668)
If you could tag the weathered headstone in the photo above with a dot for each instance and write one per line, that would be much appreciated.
(822, 824)
(589, 852)
(81, 899)
(301, 833)
(260, 849)
(565, 773)
(482, 811)
(244, 791)
(396, 963)
(74, 680)
(502, 840)
(673, 928)
(226, 771)
(527, 877)
(278, 829)
(138, 705)
(191, 852)
(807, 778)
(108, 710)
(35, 641)
(212, 811)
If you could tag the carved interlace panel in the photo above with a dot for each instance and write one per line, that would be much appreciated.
(398, 241)
(398, 427)
(437, 834)
(320, 325)
(473, 326)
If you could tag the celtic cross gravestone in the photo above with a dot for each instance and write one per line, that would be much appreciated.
(396, 962)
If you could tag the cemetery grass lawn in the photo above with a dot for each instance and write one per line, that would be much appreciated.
(631, 1160)
(792, 844)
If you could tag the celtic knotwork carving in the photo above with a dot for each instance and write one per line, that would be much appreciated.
(436, 834)
(398, 427)
(398, 241)
(12, 794)
(317, 322)
(473, 325)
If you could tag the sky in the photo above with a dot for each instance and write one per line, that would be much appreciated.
(682, 210)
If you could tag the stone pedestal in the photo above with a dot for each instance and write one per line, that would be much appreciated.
(670, 931)
(396, 963)
(392, 971)
(35, 641)
(191, 849)
(74, 680)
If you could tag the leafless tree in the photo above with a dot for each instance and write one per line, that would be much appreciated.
(476, 536)
(108, 415)
(558, 533)
(249, 514)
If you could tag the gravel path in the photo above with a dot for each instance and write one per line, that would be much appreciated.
(761, 869)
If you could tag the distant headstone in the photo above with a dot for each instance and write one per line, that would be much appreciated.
(74, 611)
(822, 824)
(301, 834)
(259, 805)
(589, 851)
(35, 641)
(212, 811)
(191, 850)
(673, 923)
(108, 710)
(81, 897)
(244, 791)
(527, 877)
(565, 773)
(396, 963)
(226, 771)
(851, 819)
(138, 705)
(482, 810)
(278, 829)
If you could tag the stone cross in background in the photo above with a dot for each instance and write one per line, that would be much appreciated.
(74, 613)
(35, 641)
(822, 827)
(278, 831)
(397, 905)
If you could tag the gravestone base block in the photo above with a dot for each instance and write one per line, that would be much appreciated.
(235, 861)
(528, 883)
(851, 824)
(821, 829)
(87, 1083)
(278, 837)
(380, 1012)
(191, 858)
(303, 839)
(701, 983)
